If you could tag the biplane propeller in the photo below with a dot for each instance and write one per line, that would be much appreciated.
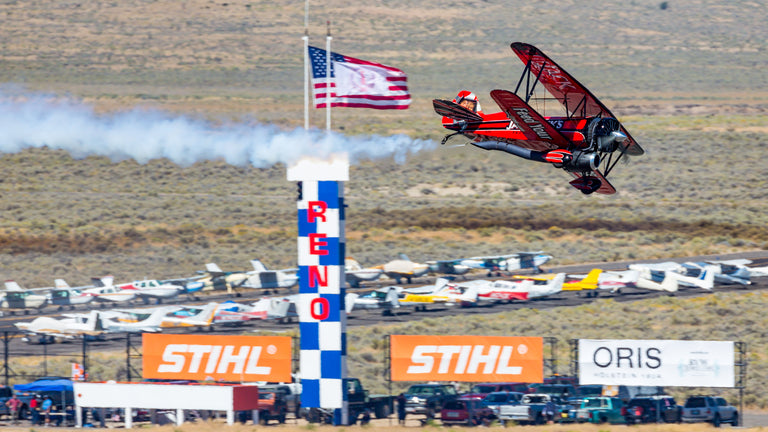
(587, 142)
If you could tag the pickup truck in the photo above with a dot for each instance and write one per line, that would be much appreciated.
(532, 409)
(359, 402)
(271, 407)
(291, 393)
(711, 409)
(600, 409)
(428, 399)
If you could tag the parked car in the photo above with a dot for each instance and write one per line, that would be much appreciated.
(428, 399)
(496, 399)
(467, 411)
(652, 409)
(600, 409)
(713, 409)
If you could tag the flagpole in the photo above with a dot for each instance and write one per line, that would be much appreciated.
(328, 77)
(306, 79)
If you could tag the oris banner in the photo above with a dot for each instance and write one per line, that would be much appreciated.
(467, 358)
(657, 363)
(217, 358)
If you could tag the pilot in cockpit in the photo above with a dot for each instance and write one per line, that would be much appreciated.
(468, 100)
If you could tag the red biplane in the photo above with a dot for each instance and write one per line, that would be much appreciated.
(587, 141)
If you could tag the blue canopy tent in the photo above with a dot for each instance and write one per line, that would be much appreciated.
(59, 389)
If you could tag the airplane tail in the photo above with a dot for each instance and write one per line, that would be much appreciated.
(13, 286)
(556, 285)
(669, 284)
(349, 301)
(403, 257)
(60, 284)
(258, 266)
(278, 307)
(213, 268)
(94, 321)
(206, 315)
(592, 278)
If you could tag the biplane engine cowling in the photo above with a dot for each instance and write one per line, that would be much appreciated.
(604, 134)
(583, 161)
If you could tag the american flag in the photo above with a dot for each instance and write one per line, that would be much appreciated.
(357, 83)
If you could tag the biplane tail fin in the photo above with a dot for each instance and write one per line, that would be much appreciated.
(454, 111)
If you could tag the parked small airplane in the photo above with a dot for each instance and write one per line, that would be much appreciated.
(586, 283)
(447, 268)
(152, 289)
(521, 289)
(385, 299)
(445, 293)
(403, 268)
(105, 292)
(726, 272)
(651, 273)
(259, 278)
(233, 314)
(190, 316)
(506, 263)
(16, 298)
(67, 328)
(614, 281)
(354, 273)
(64, 295)
(149, 323)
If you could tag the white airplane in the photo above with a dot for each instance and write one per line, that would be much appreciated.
(448, 268)
(726, 272)
(17, 298)
(668, 277)
(150, 324)
(190, 316)
(259, 278)
(507, 263)
(152, 289)
(67, 328)
(519, 289)
(355, 273)
(386, 299)
(444, 293)
(105, 292)
(232, 314)
(64, 295)
(403, 268)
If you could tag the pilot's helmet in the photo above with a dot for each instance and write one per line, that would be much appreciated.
(468, 100)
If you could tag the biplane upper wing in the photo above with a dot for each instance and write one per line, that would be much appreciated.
(540, 135)
(575, 97)
(454, 111)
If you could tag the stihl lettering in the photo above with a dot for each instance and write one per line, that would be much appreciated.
(463, 359)
(316, 210)
(187, 358)
(316, 243)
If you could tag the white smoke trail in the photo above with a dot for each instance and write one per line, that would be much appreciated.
(38, 120)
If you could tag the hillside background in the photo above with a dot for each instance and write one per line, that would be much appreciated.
(687, 78)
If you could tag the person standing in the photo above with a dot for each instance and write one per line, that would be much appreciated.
(34, 407)
(401, 409)
(46, 408)
(14, 404)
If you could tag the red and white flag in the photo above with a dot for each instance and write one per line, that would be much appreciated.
(357, 83)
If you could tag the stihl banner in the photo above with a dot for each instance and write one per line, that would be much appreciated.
(217, 358)
(467, 358)
(657, 363)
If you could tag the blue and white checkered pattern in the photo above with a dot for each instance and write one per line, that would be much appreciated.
(323, 358)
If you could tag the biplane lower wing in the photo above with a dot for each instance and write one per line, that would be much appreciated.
(593, 182)
(539, 133)
(454, 111)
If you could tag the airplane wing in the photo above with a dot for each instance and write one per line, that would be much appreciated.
(454, 111)
(577, 100)
(540, 135)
